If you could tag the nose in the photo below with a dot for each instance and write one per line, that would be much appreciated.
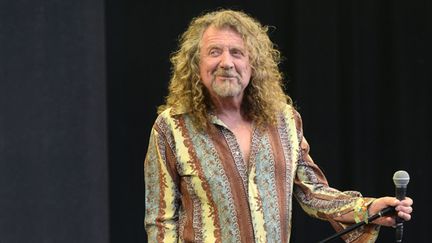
(226, 61)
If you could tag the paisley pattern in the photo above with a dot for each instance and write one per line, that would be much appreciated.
(198, 188)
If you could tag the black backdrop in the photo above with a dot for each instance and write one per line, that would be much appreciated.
(53, 131)
(80, 83)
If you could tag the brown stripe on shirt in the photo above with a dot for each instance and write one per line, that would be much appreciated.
(239, 193)
(280, 178)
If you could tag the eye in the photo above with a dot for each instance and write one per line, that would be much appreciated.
(214, 52)
(237, 53)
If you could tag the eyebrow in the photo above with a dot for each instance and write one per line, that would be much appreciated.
(211, 46)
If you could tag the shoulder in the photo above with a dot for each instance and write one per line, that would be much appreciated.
(169, 114)
(164, 119)
(171, 119)
(165, 114)
(292, 116)
(288, 111)
(165, 125)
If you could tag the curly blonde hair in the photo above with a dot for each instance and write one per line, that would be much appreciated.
(264, 96)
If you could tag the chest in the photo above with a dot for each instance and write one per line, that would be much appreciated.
(243, 138)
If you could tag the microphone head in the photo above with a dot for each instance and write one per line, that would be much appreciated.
(401, 178)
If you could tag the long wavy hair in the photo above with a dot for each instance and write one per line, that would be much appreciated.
(264, 96)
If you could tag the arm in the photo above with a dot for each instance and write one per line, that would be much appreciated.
(321, 201)
(161, 193)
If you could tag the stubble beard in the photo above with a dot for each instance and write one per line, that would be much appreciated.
(227, 87)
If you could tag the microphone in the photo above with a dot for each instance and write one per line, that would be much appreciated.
(400, 179)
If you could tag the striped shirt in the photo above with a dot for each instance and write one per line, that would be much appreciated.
(199, 189)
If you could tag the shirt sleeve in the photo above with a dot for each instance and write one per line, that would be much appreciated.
(161, 191)
(321, 201)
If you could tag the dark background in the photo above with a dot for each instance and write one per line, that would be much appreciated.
(80, 82)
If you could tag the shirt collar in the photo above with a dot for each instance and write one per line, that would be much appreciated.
(212, 117)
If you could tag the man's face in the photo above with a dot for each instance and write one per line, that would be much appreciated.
(224, 63)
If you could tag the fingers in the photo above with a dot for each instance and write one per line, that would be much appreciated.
(404, 216)
(386, 221)
(389, 221)
(407, 202)
(404, 209)
(390, 201)
(404, 212)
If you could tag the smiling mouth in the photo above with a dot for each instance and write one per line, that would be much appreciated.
(227, 78)
(225, 75)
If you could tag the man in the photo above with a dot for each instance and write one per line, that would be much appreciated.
(227, 151)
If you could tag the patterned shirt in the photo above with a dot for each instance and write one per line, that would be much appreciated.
(199, 189)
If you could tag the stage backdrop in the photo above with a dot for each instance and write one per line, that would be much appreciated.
(53, 132)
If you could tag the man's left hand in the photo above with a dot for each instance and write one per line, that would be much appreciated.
(403, 209)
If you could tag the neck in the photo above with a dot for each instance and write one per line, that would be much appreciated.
(230, 107)
(232, 116)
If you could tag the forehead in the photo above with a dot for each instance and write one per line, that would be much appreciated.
(221, 36)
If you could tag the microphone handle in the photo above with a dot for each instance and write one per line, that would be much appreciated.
(399, 229)
(400, 195)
